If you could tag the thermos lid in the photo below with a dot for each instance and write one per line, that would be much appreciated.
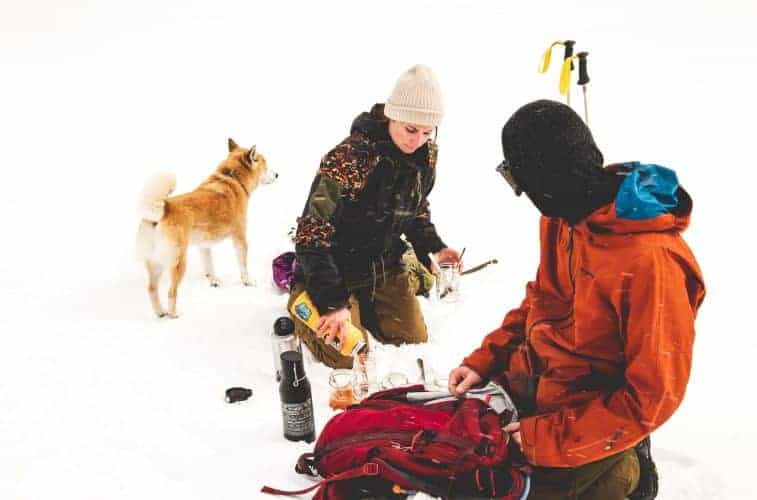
(291, 366)
(283, 326)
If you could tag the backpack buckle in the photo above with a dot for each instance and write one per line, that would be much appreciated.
(370, 469)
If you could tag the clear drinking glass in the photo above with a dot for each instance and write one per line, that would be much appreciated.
(394, 379)
(448, 282)
(342, 384)
(364, 367)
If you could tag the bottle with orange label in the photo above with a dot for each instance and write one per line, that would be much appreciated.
(303, 309)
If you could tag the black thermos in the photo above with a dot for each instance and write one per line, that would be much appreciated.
(296, 401)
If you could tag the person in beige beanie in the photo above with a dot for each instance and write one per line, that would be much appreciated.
(368, 200)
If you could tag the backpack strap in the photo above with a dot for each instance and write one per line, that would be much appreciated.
(367, 469)
(400, 436)
(411, 481)
(414, 438)
(376, 467)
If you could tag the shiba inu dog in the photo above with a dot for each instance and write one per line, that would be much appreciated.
(216, 210)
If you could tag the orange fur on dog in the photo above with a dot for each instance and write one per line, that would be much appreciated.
(216, 210)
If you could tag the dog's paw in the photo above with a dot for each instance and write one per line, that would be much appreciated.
(172, 315)
(213, 280)
(247, 281)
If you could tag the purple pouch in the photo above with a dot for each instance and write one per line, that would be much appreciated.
(283, 271)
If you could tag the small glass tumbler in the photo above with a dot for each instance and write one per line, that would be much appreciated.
(364, 367)
(342, 384)
(394, 379)
(448, 282)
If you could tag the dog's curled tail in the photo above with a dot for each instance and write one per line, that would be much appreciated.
(152, 203)
(151, 209)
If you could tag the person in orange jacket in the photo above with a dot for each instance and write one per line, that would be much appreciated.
(599, 352)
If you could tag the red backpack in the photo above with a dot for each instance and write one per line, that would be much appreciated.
(388, 446)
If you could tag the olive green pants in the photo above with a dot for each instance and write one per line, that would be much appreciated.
(389, 311)
(612, 478)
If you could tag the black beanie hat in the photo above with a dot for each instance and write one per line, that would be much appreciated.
(554, 159)
(546, 138)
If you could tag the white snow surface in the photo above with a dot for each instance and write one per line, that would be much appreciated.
(101, 400)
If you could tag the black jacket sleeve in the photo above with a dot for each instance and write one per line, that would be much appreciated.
(314, 240)
(340, 175)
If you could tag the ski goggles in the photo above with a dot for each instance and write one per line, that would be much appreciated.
(505, 169)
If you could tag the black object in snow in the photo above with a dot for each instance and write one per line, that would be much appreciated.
(237, 394)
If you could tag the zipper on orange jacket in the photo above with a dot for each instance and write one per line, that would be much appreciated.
(570, 262)
(569, 247)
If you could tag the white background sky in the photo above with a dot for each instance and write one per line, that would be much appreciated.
(95, 96)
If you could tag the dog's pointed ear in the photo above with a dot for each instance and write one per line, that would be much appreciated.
(251, 154)
(232, 145)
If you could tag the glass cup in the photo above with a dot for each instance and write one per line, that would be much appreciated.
(448, 282)
(394, 379)
(364, 368)
(342, 384)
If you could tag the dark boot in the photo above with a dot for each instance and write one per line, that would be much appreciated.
(648, 479)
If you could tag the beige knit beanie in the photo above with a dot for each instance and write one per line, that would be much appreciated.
(416, 98)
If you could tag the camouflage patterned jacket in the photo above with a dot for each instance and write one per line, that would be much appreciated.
(367, 193)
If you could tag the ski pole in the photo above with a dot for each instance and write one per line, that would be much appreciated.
(583, 80)
(568, 55)
(547, 57)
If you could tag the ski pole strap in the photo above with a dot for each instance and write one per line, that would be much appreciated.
(547, 56)
(583, 72)
(367, 469)
(567, 66)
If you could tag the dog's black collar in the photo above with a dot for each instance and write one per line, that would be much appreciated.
(229, 173)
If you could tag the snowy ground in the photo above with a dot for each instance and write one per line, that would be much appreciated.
(98, 399)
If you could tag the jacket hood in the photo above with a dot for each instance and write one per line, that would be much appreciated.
(372, 123)
(649, 200)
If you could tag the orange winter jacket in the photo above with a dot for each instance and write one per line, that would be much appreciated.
(606, 332)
